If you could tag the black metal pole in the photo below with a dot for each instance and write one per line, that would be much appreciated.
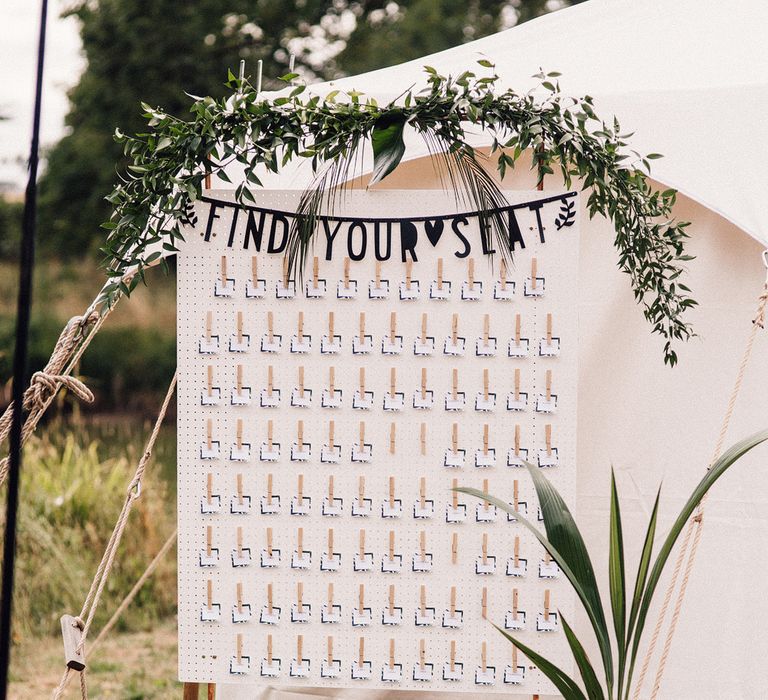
(26, 265)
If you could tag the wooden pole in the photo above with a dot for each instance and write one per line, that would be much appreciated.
(211, 691)
(191, 691)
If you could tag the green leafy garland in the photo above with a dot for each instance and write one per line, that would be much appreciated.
(170, 161)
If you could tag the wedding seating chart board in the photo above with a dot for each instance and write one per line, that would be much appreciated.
(323, 420)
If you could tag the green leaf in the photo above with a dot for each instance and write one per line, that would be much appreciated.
(594, 690)
(721, 465)
(388, 144)
(560, 679)
(616, 576)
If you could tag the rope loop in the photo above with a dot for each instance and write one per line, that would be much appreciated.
(43, 385)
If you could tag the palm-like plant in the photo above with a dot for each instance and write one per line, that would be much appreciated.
(566, 546)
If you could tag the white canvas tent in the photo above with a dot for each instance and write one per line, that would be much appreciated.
(689, 77)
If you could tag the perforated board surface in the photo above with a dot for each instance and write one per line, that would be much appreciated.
(453, 412)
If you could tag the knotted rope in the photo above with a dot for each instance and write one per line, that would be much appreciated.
(696, 523)
(133, 492)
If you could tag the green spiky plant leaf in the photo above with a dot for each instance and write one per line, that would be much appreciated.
(563, 540)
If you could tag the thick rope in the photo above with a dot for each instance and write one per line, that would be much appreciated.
(696, 522)
(105, 566)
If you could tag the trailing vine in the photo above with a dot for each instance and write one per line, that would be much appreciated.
(168, 165)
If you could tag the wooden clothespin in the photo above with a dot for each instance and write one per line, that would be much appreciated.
(517, 440)
(330, 596)
(330, 326)
(208, 325)
(315, 272)
(270, 380)
(548, 438)
(223, 270)
(408, 272)
(391, 545)
(391, 599)
(269, 542)
(330, 488)
(361, 544)
(391, 653)
(329, 650)
(517, 384)
(486, 383)
(440, 274)
(484, 603)
(454, 494)
(485, 439)
(286, 264)
(270, 327)
(300, 433)
(549, 329)
(209, 433)
(514, 658)
(516, 551)
(300, 326)
(239, 380)
(471, 273)
(269, 648)
(547, 557)
(423, 600)
(454, 329)
(517, 329)
(452, 606)
(300, 596)
(503, 274)
(269, 488)
(330, 541)
(378, 275)
(208, 540)
(300, 540)
(269, 435)
(361, 433)
(254, 269)
(331, 433)
(392, 382)
(423, 438)
(210, 380)
(534, 272)
(485, 548)
(515, 494)
(486, 329)
(239, 325)
(362, 381)
(331, 381)
(209, 489)
(422, 654)
(209, 594)
(423, 383)
(455, 438)
(299, 647)
(362, 328)
(239, 596)
(483, 656)
(423, 545)
(486, 504)
(455, 548)
(455, 383)
(453, 655)
(514, 603)
(546, 604)
(391, 491)
(361, 651)
(269, 598)
(300, 488)
(239, 433)
(361, 489)
(549, 384)
(423, 329)
(392, 327)
(361, 598)
(239, 648)
(346, 273)
(301, 381)
(239, 487)
(392, 438)
(422, 492)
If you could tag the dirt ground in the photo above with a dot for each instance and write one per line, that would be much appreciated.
(126, 666)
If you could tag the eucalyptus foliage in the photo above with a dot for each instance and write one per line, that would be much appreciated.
(563, 134)
(619, 644)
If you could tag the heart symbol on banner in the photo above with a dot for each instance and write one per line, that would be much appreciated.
(434, 230)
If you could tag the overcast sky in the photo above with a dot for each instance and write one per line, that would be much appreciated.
(19, 23)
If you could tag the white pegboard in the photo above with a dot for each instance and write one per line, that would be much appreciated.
(208, 648)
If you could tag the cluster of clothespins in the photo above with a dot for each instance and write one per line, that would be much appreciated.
(407, 289)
